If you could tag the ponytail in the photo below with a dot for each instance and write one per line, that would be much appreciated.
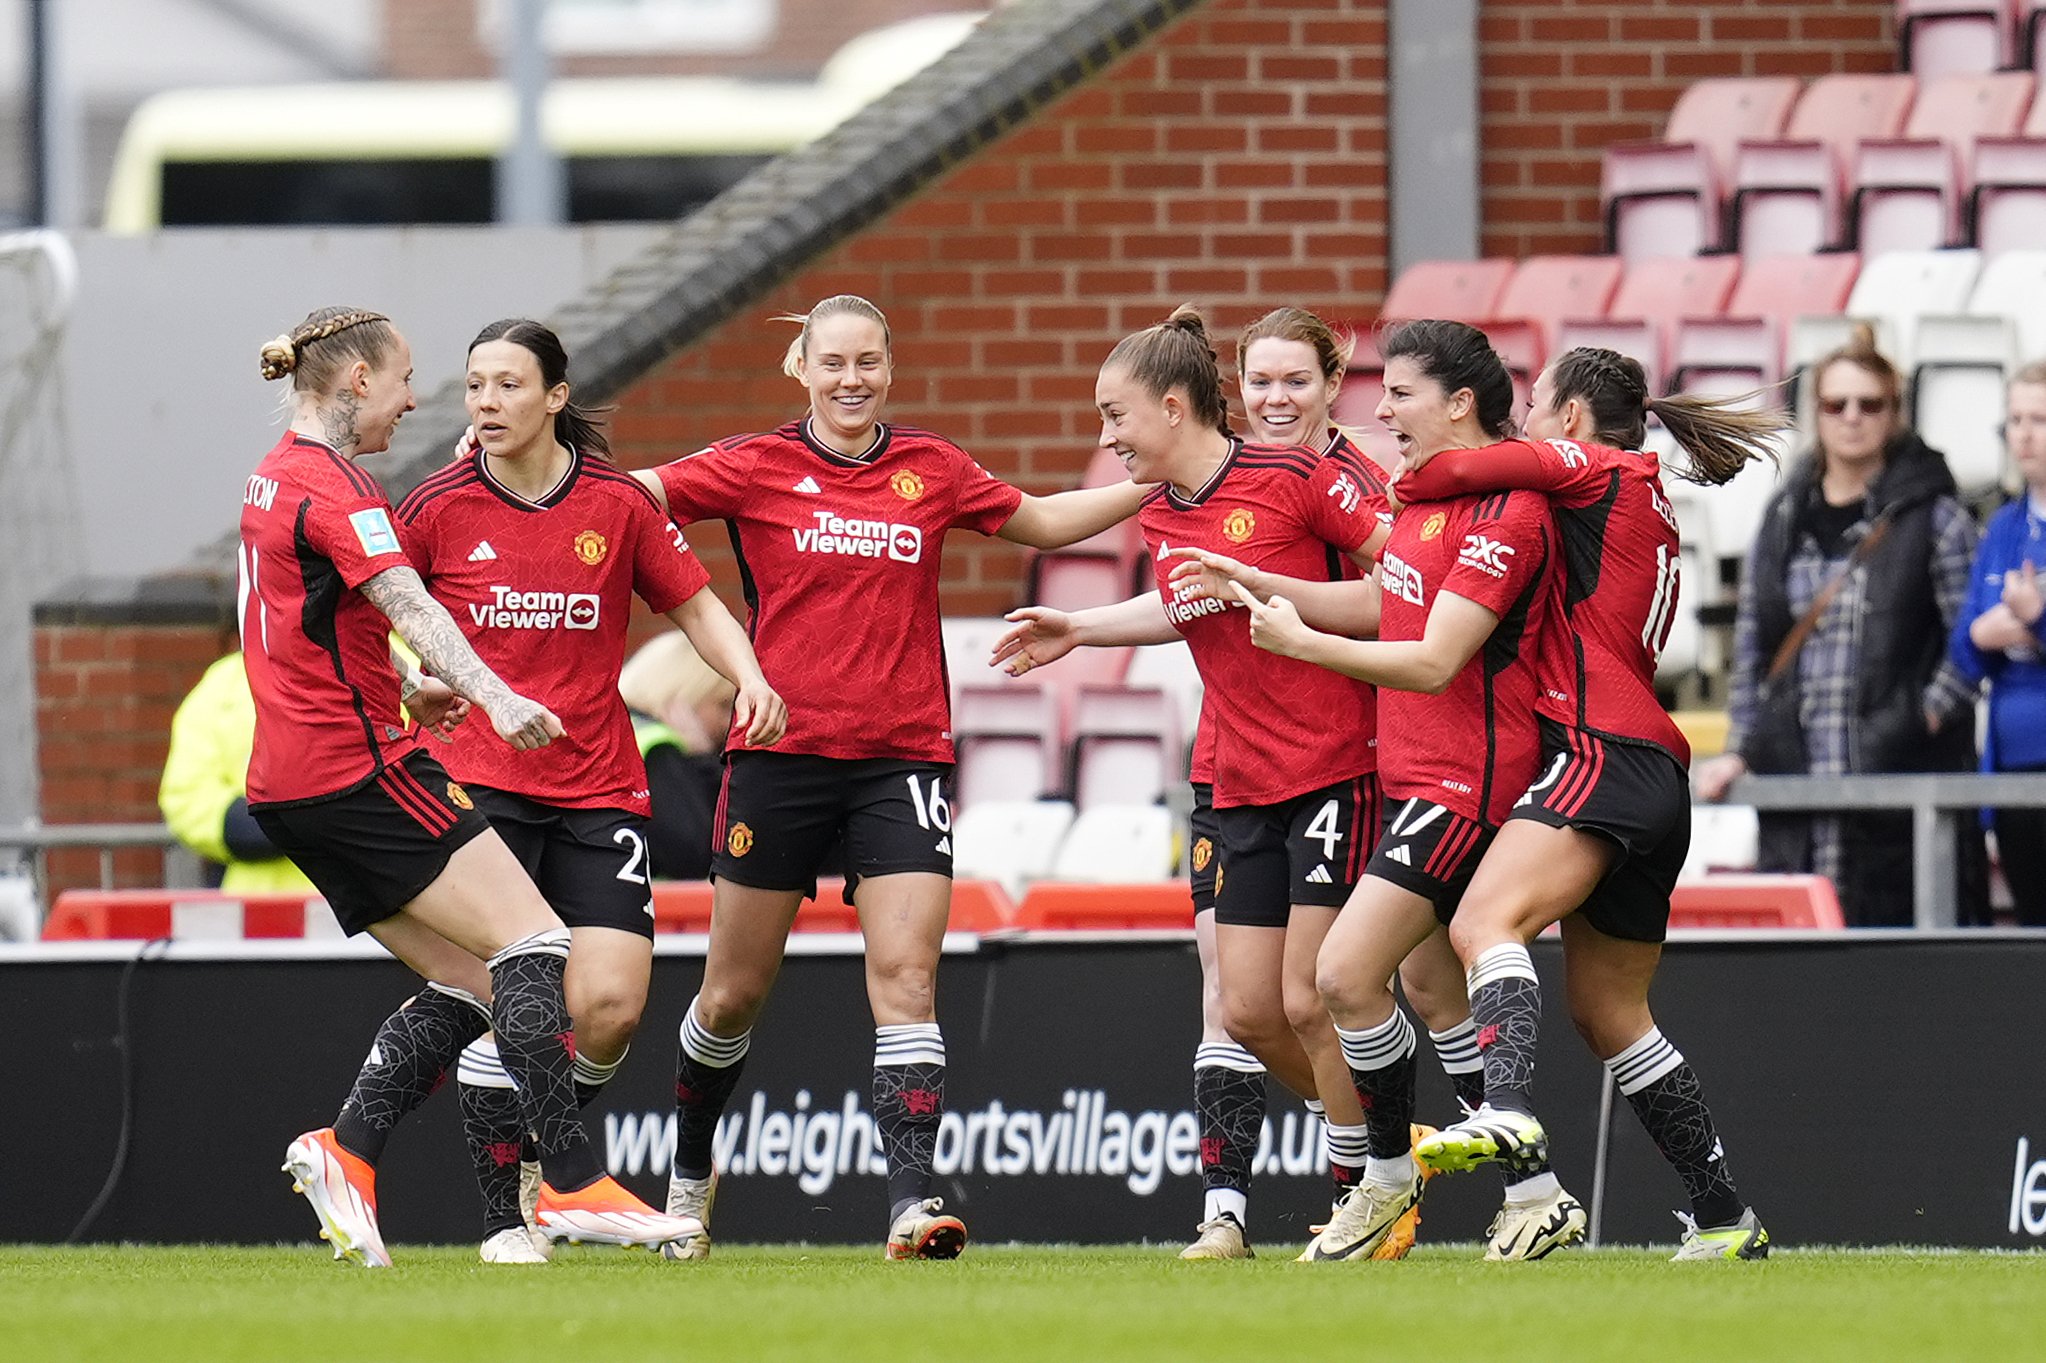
(1176, 353)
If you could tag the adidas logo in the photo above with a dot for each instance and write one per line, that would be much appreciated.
(807, 485)
(1401, 855)
(945, 845)
(482, 553)
(1320, 876)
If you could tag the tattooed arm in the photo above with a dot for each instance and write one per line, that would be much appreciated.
(435, 636)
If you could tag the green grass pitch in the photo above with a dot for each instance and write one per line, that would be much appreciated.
(164, 1305)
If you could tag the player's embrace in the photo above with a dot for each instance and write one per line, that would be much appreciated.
(838, 521)
(537, 544)
(343, 787)
(1598, 839)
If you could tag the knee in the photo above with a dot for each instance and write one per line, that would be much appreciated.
(905, 987)
(1253, 1023)
(727, 1007)
(1608, 1029)
(1477, 928)
(1305, 1012)
(1343, 993)
(605, 1022)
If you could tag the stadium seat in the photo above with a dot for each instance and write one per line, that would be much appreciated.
(1094, 572)
(969, 640)
(1723, 838)
(2007, 206)
(685, 906)
(1170, 668)
(186, 916)
(1787, 191)
(1681, 651)
(1653, 296)
(1910, 191)
(1734, 509)
(1963, 361)
(1892, 292)
(1126, 745)
(1461, 290)
(1542, 292)
(2031, 35)
(1006, 739)
(1735, 901)
(1666, 198)
(1743, 348)
(1060, 906)
(1956, 37)
(1116, 845)
(1011, 842)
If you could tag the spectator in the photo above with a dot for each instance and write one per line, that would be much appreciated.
(205, 782)
(1997, 640)
(1855, 579)
(681, 711)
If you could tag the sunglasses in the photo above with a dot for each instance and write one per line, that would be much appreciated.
(1865, 406)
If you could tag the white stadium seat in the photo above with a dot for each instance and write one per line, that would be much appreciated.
(1010, 841)
(1118, 845)
(1723, 838)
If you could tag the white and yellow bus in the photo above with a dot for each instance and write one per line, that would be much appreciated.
(393, 152)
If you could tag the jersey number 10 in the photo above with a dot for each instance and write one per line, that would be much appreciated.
(1662, 609)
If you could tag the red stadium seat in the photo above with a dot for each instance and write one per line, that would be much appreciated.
(684, 906)
(2031, 35)
(1909, 191)
(1653, 297)
(1095, 572)
(1126, 744)
(1666, 198)
(1956, 37)
(1787, 191)
(1743, 347)
(1733, 900)
(1006, 738)
(1461, 290)
(186, 915)
(2007, 205)
(1544, 291)
(1054, 906)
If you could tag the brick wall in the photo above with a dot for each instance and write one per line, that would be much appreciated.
(436, 40)
(105, 693)
(1239, 162)
(1562, 78)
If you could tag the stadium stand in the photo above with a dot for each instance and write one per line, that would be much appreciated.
(1654, 295)
(1963, 361)
(1909, 191)
(1787, 191)
(1543, 291)
(1743, 347)
(1757, 901)
(1098, 571)
(1667, 197)
(1126, 746)
(2007, 206)
(1118, 845)
(1006, 738)
(1892, 292)
(1011, 842)
(1956, 37)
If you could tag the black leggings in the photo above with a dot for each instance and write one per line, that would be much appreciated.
(2021, 841)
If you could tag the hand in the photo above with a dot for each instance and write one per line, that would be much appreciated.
(1998, 629)
(436, 709)
(1274, 625)
(2022, 594)
(1721, 772)
(525, 724)
(761, 711)
(1208, 574)
(466, 446)
(1042, 635)
(1932, 720)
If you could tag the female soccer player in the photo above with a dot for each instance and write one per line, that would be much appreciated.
(537, 545)
(398, 849)
(1469, 586)
(838, 520)
(1290, 366)
(1597, 841)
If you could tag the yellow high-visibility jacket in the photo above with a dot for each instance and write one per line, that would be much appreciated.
(207, 770)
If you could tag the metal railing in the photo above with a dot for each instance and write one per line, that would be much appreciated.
(38, 840)
(1935, 800)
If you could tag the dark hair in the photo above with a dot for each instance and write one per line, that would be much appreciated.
(1720, 435)
(1457, 355)
(1176, 353)
(579, 428)
(315, 350)
(1331, 352)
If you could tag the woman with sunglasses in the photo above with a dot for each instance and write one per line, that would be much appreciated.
(1850, 591)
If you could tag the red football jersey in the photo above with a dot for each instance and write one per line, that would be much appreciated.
(840, 560)
(1620, 590)
(315, 527)
(544, 592)
(1500, 552)
(1281, 727)
(1202, 767)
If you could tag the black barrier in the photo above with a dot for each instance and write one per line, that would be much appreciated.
(1870, 1091)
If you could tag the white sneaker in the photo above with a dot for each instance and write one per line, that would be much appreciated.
(1363, 1219)
(1490, 1133)
(691, 1197)
(343, 1192)
(1744, 1239)
(512, 1245)
(923, 1232)
(1530, 1230)
(1220, 1237)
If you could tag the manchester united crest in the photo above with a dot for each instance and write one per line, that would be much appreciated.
(1218, 878)
(591, 547)
(1239, 525)
(1432, 527)
(459, 798)
(907, 485)
(1203, 853)
(740, 841)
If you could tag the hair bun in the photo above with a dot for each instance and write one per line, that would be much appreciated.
(280, 356)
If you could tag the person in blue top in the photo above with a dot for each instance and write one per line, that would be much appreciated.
(1997, 639)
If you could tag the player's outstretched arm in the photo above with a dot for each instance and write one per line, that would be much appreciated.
(1068, 517)
(1043, 635)
(438, 640)
(722, 642)
(1346, 608)
(651, 481)
(1457, 628)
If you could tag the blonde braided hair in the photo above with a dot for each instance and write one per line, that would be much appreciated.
(311, 369)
